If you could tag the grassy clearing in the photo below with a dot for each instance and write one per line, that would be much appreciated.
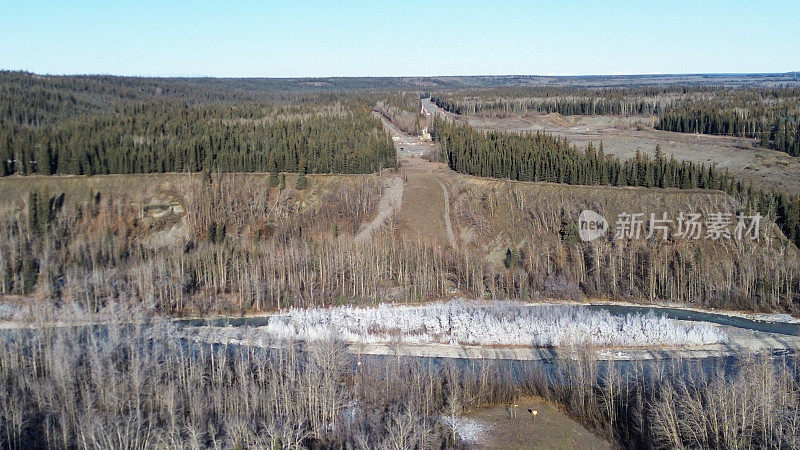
(422, 212)
(552, 429)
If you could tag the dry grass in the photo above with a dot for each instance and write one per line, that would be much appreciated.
(154, 187)
(493, 215)
(421, 216)
(552, 429)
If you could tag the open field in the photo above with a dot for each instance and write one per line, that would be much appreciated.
(422, 214)
(491, 427)
(623, 136)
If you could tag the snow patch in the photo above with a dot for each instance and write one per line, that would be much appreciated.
(469, 430)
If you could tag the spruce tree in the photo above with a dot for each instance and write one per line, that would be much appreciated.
(273, 172)
(302, 181)
(212, 232)
(512, 259)
(29, 274)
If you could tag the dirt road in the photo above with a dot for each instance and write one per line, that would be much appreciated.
(424, 213)
(389, 204)
(451, 237)
(406, 145)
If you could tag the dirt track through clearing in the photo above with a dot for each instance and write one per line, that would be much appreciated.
(451, 237)
(389, 204)
(424, 211)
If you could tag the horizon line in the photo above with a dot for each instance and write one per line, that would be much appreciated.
(312, 77)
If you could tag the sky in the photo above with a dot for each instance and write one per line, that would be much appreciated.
(401, 38)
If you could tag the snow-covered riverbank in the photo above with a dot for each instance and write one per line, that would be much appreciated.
(479, 323)
(468, 329)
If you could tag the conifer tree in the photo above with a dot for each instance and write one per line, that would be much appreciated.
(302, 181)
(273, 172)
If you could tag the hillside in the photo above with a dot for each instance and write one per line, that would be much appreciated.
(186, 240)
(509, 240)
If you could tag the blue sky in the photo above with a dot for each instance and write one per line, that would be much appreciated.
(349, 38)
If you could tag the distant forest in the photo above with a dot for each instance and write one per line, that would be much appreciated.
(502, 102)
(541, 157)
(774, 120)
(98, 125)
(769, 115)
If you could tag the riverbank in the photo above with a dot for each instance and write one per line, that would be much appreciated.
(740, 342)
(744, 330)
(363, 328)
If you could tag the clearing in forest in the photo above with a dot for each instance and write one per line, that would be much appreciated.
(623, 136)
(492, 427)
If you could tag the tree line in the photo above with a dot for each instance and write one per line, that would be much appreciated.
(141, 387)
(769, 115)
(32, 100)
(243, 244)
(750, 402)
(774, 127)
(104, 124)
(583, 105)
(174, 137)
(546, 257)
(402, 109)
(564, 100)
(544, 157)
